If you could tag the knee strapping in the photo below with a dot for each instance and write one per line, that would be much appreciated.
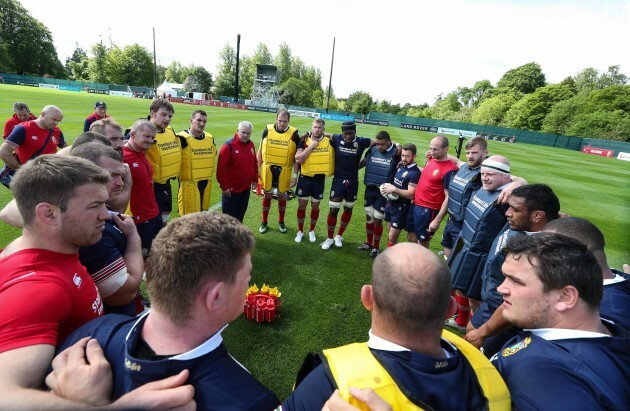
(334, 204)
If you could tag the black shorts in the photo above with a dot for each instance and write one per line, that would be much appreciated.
(422, 218)
(346, 189)
(397, 215)
(374, 198)
(148, 230)
(450, 234)
(308, 186)
(164, 197)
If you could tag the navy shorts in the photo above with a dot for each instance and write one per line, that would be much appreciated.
(308, 186)
(422, 218)
(148, 230)
(397, 215)
(164, 197)
(450, 234)
(374, 198)
(346, 189)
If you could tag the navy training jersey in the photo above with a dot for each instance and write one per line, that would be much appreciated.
(405, 175)
(348, 156)
(567, 370)
(615, 305)
(220, 382)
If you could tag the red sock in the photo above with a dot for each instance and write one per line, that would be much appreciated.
(282, 208)
(378, 232)
(463, 310)
(266, 205)
(332, 222)
(301, 214)
(314, 218)
(389, 243)
(369, 231)
(345, 219)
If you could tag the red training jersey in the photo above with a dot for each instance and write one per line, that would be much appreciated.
(44, 297)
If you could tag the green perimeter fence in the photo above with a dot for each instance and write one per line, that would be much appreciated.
(382, 119)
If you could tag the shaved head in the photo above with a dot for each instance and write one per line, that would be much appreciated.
(412, 287)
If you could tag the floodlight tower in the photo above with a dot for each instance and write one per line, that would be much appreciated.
(264, 92)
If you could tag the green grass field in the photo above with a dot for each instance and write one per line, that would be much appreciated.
(320, 290)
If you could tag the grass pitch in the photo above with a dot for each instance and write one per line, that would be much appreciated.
(320, 289)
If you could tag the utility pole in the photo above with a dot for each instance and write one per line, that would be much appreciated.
(332, 61)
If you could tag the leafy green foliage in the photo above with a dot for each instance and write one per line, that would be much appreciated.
(525, 79)
(28, 43)
(198, 80)
(529, 112)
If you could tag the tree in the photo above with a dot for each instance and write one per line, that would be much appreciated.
(573, 116)
(176, 73)
(6, 61)
(28, 42)
(132, 65)
(526, 78)
(529, 112)
(359, 102)
(612, 77)
(283, 62)
(224, 84)
(295, 92)
(160, 74)
(199, 80)
(481, 90)
(77, 64)
(607, 125)
(445, 108)
(97, 67)
(492, 110)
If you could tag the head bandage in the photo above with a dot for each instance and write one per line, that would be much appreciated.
(492, 165)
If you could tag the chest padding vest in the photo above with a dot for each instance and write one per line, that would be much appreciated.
(165, 156)
(483, 221)
(354, 365)
(378, 166)
(198, 157)
(278, 149)
(321, 160)
(464, 182)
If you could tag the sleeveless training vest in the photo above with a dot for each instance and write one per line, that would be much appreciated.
(483, 219)
(354, 365)
(462, 185)
(321, 159)
(378, 166)
(482, 223)
(165, 156)
(197, 157)
(278, 148)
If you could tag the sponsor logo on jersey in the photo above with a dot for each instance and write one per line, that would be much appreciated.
(441, 364)
(516, 347)
(435, 173)
(132, 365)
(405, 174)
(135, 165)
(77, 280)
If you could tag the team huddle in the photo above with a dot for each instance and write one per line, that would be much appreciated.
(546, 321)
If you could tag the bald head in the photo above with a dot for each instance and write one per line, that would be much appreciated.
(50, 117)
(411, 287)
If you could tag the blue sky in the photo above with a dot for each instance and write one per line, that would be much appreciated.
(402, 51)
